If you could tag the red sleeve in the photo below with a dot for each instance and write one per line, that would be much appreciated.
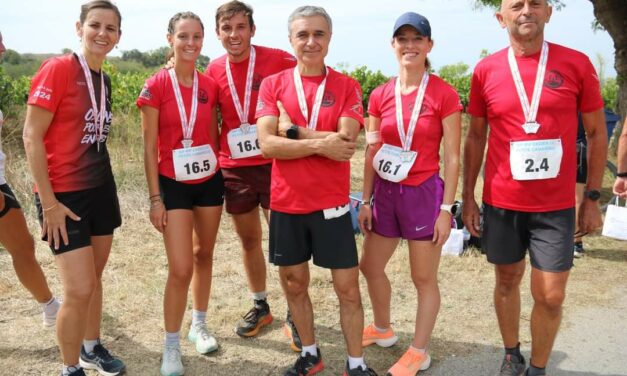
(476, 102)
(213, 92)
(266, 102)
(450, 102)
(151, 93)
(589, 99)
(353, 107)
(49, 84)
(374, 102)
(287, 60)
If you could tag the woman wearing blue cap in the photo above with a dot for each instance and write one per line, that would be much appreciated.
(404, 196)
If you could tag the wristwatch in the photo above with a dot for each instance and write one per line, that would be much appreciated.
(292, 132)
(451, 208)
(592, 194)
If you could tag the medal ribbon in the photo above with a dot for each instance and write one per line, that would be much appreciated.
(99, 115)
(529, 110)
(406, 139)
(242, 113)
(302, 101)
(187, 125)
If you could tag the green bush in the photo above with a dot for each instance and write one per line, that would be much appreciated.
(368, 80)
(459, 77)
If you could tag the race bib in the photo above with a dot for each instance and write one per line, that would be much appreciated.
(392, 163)
(243, 144)
(335, 212)
(194, 162)
(535, 160)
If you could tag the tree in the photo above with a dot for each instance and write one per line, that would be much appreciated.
(611, 15)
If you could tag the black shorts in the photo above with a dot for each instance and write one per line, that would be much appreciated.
(582, 162)
(295, 238)
(10, 201)
(99, 210)
(507, 234)
(245, 188)
(178, 195)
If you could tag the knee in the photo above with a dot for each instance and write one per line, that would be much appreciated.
(181, 275)
(371, 271)
(81, 292)
(295, 286)
(424, 281)
(250, 242)
(348, 294)
(25, 253)
(508, 282)
(550, 300)
(203, 255)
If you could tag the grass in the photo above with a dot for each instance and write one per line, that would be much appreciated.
(136, 273)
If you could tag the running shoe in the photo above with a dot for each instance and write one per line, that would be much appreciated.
(289, 330)
(410, 363)
(75, 372)
(527, 373)
(358, 371)
(579, 252)
(512, 365)
(102, 361)
(50, 318)
(306, 365)
(258, 317)
(205, 342)
(372, 335)
(171, 364)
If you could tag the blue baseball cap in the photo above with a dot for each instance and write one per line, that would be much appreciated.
(414, 20)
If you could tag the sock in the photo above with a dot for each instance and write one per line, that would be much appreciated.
(51, 306)
(535, 371)
(69, 369)
(379, 329)
(198, 317)
(515, 351)
(89, 344)
(422, 351)
(172, 339)
(261, 295)
(356, 362)
(311, 349)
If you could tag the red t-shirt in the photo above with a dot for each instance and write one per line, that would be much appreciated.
(570, 85)
(440, 101)
(75, 162)
(158, 93)
(268, 61)
(312, 183)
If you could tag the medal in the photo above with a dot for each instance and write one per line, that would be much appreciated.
(407, 156)
(245, 127)
(187, 143)
(531, 127)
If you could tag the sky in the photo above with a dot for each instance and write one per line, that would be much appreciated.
(361, 28)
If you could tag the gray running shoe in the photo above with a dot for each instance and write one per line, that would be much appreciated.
(512, 366)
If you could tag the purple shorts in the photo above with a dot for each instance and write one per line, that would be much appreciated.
(405, 211)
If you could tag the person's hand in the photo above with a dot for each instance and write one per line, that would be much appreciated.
(620, 187)
(53, 225)
(336, 147)
(442, 228)
(158, 215)
(364, 218)
(285, 122)
(170, 63)
(589, 217)
(471, 217)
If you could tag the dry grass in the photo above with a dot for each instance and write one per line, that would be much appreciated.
(136, 273)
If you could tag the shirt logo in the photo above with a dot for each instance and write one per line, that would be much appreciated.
(203, 97)
(145, 93)
(553, 80)
(260, 104)
(257, 78)
(328, 99)
(42, 92)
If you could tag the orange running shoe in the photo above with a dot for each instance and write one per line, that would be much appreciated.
(410, 363)
(372, 335)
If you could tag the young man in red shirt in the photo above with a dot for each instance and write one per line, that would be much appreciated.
(308, 119)
(528, 95)
(238, 74)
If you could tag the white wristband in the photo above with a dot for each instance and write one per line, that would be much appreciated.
(373, 137)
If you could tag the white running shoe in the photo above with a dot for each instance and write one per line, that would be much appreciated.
(171, 364)
(205, 341)
(50, 318)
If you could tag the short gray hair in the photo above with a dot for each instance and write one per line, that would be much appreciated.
(308, 11)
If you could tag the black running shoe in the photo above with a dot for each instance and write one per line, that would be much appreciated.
(579, 252)
(289, 329)
(258, 317)
(358, 371)
(75, 372)
(102, 361)
(306, 365)
(512, 366)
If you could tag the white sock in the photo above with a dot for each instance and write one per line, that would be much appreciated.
(51, 306)
(69, 369)
(198, 317)
(379, 329)
(261, 295)
(423, 351)
(311, 349)
(356, 362)
(173, 339)
(89, 344)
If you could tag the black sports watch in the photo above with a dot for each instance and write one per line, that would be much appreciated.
(592, 194)
(292, 132)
